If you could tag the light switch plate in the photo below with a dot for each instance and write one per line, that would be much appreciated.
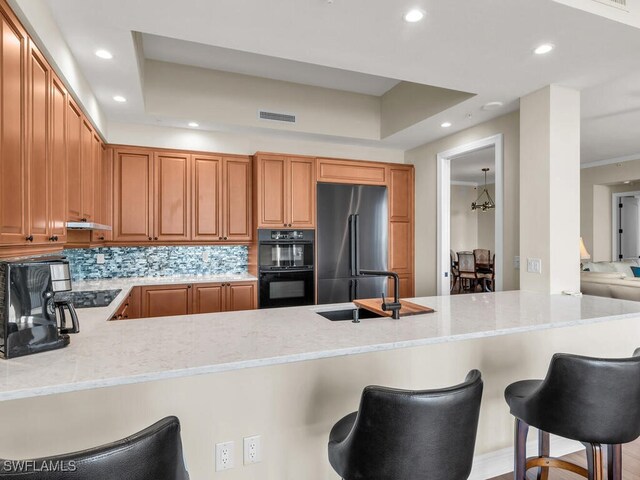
(534, 265)
(100, 258)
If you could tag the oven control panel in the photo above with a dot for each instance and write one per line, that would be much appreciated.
(287, 234)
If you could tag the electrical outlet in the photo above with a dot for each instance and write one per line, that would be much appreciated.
(100, 258)
(516, 262)
(205, 256)
(224, 456)
(252, 450)
(534, 265)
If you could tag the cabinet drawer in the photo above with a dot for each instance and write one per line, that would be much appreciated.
(344, 171)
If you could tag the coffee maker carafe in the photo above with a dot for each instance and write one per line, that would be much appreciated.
(30, 318)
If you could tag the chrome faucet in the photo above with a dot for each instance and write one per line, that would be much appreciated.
(395, 306)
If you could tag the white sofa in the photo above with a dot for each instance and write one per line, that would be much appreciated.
(610, 279)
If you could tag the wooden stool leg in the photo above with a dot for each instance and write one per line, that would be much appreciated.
(520, 450)
(614, 462)
(594, 461)
(544, 449)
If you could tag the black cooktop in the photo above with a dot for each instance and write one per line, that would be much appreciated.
(90, 298)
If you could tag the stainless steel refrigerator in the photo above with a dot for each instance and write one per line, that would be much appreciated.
(352, 234)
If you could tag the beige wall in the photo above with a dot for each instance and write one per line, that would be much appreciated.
(595, 204)
(294, 406)
(487, 224)
(178, 91)
(464, 221)
(242, 144)
(424, 159)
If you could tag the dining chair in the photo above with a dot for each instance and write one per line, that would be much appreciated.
(482, 256)
(455, 271)
(467, 270)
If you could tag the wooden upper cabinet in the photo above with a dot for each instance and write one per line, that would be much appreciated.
(351, 171)
(97, 153)
(237, 218)
(401, 192)
(58, 214)
(13, 171)
(207, 198)
(133, 200)
(38, 121)
(87, 168)
(272, 191)
(285, 191)
(302, 188)
(172, 197)
(74, 162)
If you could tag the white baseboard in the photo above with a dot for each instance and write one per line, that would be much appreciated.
(496, 463)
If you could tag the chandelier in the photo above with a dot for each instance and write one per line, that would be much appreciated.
(488, 204)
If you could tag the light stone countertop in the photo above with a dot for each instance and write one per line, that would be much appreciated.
(108, 353)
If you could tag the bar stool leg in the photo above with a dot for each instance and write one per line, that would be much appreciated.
(614, 462)
(520, 451)
(594, 460)
(544, 449)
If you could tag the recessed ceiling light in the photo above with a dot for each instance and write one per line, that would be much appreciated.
(492, 106)
(544, 48)
(445, 124)
(413, 16)
(627, 182)
(104, 54)
(119, 98)
(193, 124)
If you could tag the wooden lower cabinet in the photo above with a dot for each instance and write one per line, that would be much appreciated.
(208, 298)
(166, 300)
(170, 300)
(241, 296)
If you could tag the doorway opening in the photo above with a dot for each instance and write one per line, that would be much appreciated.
(462, 229)
(626, 225)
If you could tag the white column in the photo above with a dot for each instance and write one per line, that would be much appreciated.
(550, 189)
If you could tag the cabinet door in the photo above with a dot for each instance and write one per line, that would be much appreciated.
(272, 192)
(132, 195)
(237, 199)
(166, 300)
(58, 214)
(208, 298)
(74, 162)
(401, 194)
(38, 95)
(96, 158)
(401, 247)
(13, 187)
(207, 198)
(406, 286)
(302, 188)
(106, 196)
(241, 296)
(172, 197)
(87, 171)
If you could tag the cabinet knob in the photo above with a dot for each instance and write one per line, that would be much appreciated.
(150, 238)
(219, 238)
(225, 238)
(155, 238)
(188, 286)
(29, 238)
(101, 237)
(83, 219)
(289, 224)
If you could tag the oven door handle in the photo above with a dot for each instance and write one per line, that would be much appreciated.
(286, 270)
(352, 245)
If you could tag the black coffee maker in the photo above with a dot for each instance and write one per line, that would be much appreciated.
(31, 319)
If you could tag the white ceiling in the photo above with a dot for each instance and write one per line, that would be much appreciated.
(480, 47)
(227, 60)
(468, 167)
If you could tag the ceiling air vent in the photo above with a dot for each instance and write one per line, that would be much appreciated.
(277, 117)
(622, 4)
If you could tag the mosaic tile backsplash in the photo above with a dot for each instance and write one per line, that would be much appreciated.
(156, 261)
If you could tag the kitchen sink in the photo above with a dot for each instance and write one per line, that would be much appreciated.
(347, 314)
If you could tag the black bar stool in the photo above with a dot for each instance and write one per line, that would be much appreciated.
(409, 435)
(155, 453)
(595, 401)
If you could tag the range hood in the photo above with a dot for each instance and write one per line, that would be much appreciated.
(87, 226)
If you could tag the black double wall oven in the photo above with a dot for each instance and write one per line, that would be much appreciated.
(286, 268)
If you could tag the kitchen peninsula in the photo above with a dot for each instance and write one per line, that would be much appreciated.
(286, 374)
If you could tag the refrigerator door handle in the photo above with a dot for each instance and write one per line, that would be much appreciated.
(352, 245)
(355, 294)
(357, 244)
(351, 296)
